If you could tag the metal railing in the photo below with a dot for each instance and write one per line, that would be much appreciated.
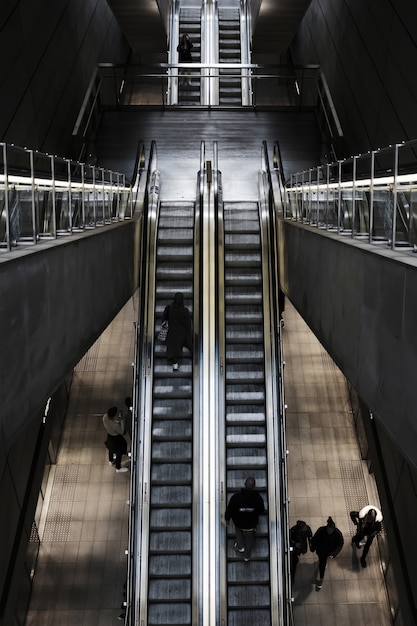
(276, 382)
(372, 197)
(43, 197)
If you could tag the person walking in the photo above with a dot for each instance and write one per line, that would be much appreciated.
(115, 443)
(327, 542)
(244, 509)
(300, 541)
(369, 524)
(179, 329)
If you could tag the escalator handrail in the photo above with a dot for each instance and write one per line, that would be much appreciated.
(276, 344)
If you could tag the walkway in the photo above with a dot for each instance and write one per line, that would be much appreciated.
(81, 567)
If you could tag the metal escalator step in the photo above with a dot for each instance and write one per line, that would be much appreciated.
(171, 495)
(174, 542)
(171, 473)
(245, 394)
(176, 388)
(169, 614)
(175, 272)
(168, 519)
(247, 596)
(174, 235)
(169, 430)
(253, 314)
(257, 572)
(248, 419)
(245, 440)
(237, 373)
(176, 408)
(181, 252)
(246, 458)
(176, 220)
(243, 259)
(242, 240)
(171, 589)
(242, 353)
(172, 451)
(244, 334)
(170, 565)
(249, 617)
(236, 477)
(246, 276)
(238, 295)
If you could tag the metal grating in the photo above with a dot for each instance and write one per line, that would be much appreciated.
(59, 517)
(354, 488)
(89, 361)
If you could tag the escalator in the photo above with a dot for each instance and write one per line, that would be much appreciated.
(230, 89)
(171, 473)
(189, 83)
(248, 583)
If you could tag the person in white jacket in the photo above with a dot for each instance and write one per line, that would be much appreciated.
(369, 524)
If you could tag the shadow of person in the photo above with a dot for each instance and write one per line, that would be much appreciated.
(305, 581)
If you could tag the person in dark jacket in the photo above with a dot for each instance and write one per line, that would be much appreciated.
(184, 53)
(244, 509)
(300, 541)
(368, 521)
(326, 543)
(179, 329)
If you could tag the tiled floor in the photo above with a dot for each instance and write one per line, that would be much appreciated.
(81, 568)
(327, 477)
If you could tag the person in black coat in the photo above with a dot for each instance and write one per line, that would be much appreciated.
(179, 329)
(184, 52)
(244, 509)
(300, 541)
(326, 543)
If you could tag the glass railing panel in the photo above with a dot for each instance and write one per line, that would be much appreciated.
(45, 213)
(62, 212)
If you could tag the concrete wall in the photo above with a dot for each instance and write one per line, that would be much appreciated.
(49, 49)
(361, 303)
(368, 52)
(55, 300)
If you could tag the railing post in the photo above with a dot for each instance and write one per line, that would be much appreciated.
(53, 196)
(339, 197)
(394, 199)
(6, 197)
(318, 196)
(69, 197)
(371, 197)
(33, 196)
(83, 195)
(354, 197)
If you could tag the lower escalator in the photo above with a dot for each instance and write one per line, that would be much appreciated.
(248, 583)
(170, 530)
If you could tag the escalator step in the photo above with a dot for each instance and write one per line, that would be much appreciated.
(169, 614)
(169, 430)
(170, 565)
(249, 419)
(256, 572)
(171, 589)
(171, 473)
(164, 519)
(246, 596)
(171, 496)
(172, 451)
(175, 541)
(248, 458)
